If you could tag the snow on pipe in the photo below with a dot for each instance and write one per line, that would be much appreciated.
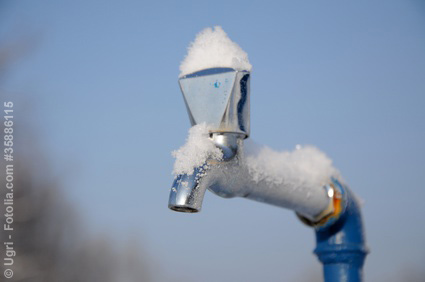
(214, 80)
(245, 169)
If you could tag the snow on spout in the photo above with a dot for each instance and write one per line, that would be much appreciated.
(197, 150)
(213, 48)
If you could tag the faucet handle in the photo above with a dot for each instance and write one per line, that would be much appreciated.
(218, 97)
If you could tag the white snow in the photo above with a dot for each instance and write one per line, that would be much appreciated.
(213, 48)
(198, 148)
(293, 179)
(306, 167)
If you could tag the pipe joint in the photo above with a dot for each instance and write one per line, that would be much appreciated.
(336, 207)
(341, 244)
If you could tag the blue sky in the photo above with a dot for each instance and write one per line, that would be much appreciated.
(99, 86)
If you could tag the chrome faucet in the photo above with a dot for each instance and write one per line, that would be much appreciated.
(220, 98)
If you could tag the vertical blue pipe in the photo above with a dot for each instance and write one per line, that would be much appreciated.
(341, 245)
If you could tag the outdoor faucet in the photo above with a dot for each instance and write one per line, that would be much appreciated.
(219, 97)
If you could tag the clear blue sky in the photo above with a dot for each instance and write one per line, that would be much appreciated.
(348, 77)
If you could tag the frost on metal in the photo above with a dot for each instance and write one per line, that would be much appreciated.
(213, 48)
(304, 168)
(197, 150)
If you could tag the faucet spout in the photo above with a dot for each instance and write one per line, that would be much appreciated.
(187, 191)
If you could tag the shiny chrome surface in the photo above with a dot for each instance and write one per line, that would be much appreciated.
(187, 192)
(218, 97)
(228, 143)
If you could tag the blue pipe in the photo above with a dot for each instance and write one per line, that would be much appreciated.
(341, 245)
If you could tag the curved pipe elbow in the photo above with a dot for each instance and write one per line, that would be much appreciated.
(341, 244)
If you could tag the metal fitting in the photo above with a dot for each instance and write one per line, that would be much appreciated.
(336, 207)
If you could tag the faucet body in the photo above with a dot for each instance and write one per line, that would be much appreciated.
(231, 177)
(219, 97)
